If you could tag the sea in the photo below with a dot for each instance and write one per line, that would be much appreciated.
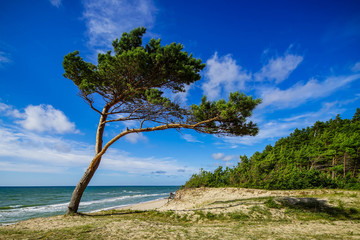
(22, 203)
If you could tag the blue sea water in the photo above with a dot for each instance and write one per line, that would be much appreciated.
(22, 203)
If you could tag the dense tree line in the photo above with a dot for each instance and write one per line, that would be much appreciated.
(325, 155)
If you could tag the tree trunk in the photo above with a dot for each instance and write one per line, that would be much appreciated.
(89, 173)
(333, 164)
(344, 165)
(356, 163)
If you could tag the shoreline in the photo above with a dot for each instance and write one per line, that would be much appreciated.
(141, 206)
(210, 213)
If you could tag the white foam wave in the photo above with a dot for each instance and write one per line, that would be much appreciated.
(61, 207)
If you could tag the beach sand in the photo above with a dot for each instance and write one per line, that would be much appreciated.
(145, 206)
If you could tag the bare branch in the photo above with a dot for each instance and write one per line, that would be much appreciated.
(151, 129)
(122, 119)
(90, 102)
(142, 122)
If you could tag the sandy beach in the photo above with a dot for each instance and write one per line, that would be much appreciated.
(145, 206)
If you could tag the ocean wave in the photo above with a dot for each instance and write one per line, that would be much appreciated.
(19, 210)
(14, 206)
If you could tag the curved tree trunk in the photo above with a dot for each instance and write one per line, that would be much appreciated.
(89, 173)
(100, 150)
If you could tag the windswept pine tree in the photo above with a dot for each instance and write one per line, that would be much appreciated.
(128, 85)
(324, 155)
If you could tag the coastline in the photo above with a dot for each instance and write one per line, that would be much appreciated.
(211, 213)
(23, 203)
(142, 206)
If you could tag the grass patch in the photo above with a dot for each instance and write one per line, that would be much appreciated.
(314, 209)
(238, 215)
(270, 203)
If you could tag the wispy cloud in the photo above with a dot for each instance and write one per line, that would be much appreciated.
(181, 97)
(356, 67)
(55, 3)
(4, 58)
(33, 152)
(118, 160)
(223, 75)
(106, 20)
(8, 110)
(301, 93)
(158, 172)
(30, 148)
(135, 137)
(278, 69)
(190, 138)
(273, 129)
(222, 157)
(28, 167)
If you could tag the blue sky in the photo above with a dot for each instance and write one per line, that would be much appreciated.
(301, 57)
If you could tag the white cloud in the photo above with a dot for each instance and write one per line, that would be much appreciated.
(28, 167)
(181, 97)
(23, 151)
(8, 110)
(222, 157)
(106, 20)
(55, 3)
(132, 137)
(190, 138)
(4, 59)
(276, 128)
(41, 118)
(45, 118)
(300, 93)
(356, 67)
(118, 160)
(217, 156)
(278, 69)
(135, 137)
(223, 74)
(49, 152)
